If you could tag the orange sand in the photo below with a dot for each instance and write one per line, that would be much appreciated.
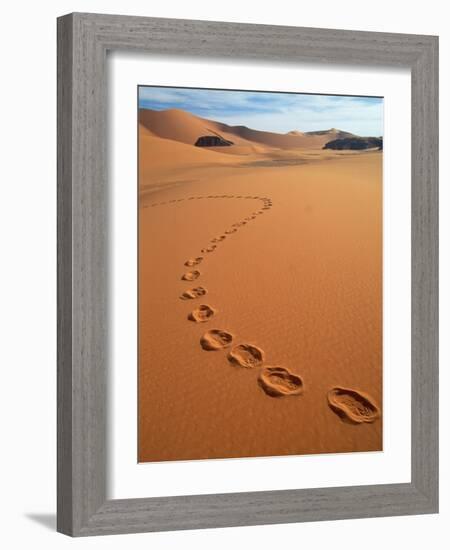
(301, 282)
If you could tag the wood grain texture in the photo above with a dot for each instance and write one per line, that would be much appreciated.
(64, 300)
(83, 317)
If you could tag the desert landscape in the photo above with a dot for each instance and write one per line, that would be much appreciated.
(260, 290)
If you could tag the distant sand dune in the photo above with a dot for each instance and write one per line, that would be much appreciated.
(179, 125)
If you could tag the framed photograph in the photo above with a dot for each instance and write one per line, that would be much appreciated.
(247, 274)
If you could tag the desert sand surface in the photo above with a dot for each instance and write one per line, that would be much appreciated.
(260, 293)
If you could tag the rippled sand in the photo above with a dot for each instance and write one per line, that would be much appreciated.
(260, 301)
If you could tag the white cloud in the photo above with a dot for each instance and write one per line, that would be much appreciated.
(278, 112)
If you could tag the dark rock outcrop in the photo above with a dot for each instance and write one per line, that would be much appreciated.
(355, 143)
(212, 141)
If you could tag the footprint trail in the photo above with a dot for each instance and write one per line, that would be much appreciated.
(350, 405)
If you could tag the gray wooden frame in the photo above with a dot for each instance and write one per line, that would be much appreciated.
(83, 41)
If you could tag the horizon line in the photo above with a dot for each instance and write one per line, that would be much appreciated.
(256, 129)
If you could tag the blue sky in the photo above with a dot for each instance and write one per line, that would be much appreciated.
(272, 111)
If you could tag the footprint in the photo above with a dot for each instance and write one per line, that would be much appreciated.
(229, 231)
(357, 407)
(193, 261)
(193, 293)
(278, 382)
(208, 249)
(218, 239)
(216, 339)
(191, 275)
(202, 314)
(246, 355)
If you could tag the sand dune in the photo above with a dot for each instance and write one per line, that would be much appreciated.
(179, 125)
(295, 133)
(332, 133)
(288, 243)
(156, 152)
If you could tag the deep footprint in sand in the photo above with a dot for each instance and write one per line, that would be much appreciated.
(352, 405)
(193, 293)
(229, 231)
(218, 239)
(201, 314)
(216, 339)
(279, 382)
(191, 275)
(208, 249)
(193, 261)
(246, 355)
